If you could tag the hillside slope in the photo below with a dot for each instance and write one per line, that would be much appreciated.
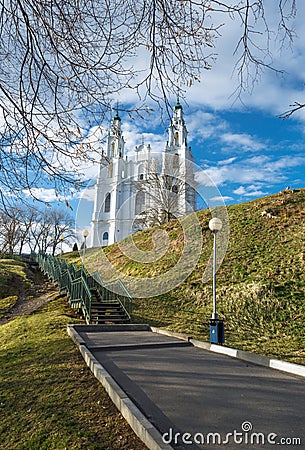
(261, 283)
(13, 282)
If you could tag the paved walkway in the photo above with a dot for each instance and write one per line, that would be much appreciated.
(198, 399)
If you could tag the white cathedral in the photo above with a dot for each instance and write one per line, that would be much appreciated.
(133, 191)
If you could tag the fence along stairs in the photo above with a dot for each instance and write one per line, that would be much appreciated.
(100, 302)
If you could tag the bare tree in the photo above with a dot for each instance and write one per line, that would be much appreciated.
(61, 228)
(23, 227)
(27, 219)
(166, 194)
(11, 229)
(15, 226)
(63, 63)
(52, 228)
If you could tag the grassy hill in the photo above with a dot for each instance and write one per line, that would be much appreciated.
(49, 399)
(13, 281)
(261, 283)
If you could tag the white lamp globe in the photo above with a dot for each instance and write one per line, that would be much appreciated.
(215, 224)
(85, 233)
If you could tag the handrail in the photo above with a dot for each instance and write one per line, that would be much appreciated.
(79, 285)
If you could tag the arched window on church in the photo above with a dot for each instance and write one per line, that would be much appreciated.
(141, 172)
(176, 139)
(107, 202)
(140, 202)
(105, 238)
(110, 170)
(112, 148)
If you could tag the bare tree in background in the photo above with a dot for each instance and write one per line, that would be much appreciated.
(50, 229)
(160, 195)
(63, 63)
(23, 228)
(11, 229)
(61, 228)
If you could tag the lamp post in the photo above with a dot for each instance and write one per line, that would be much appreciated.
(216, 326)
(85, 235)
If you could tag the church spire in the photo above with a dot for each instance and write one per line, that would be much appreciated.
(117, 117)
(178, 105)
(177, 132)
(115, 143)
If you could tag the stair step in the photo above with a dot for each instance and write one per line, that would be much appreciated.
(103, 321)
(108, 317)
(107, 311)
(105, 304)
(102, 309)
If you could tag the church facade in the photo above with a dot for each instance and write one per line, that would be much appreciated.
(143, 189)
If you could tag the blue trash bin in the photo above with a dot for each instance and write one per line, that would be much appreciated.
(217, 331)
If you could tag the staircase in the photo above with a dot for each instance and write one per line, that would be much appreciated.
(99, 302)
(109, 311)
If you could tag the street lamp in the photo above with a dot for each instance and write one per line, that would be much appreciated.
(85, 235)
(216, 326)
(215, 225)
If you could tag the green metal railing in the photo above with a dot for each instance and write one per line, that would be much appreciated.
(81, 287)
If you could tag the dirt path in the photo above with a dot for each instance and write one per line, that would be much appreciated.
(41, 292)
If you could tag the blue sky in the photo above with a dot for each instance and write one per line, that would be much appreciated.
(242, 145)
(251, 154)
(248, 154)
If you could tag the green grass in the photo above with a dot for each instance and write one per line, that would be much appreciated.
(13, 282)
(261, 283)
(48, 397)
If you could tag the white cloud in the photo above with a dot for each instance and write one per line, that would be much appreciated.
(45, 195)
(237, 173)
(203, 125)
(245, 141)
(227, 161)
(272, 92)
(86, 194)
(250, 191)
(133, 137)
(50, 195)
(288, 161)
(221, 198)
(250, 171)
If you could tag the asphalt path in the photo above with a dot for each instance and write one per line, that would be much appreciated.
(198, 399)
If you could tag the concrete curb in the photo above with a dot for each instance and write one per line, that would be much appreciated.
(143, 428)
(75, 336)
(184, 337)
(148, 434)
(283, 366)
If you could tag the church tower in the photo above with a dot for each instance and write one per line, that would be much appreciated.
(115, 140)
(178, 161)
(110, 190)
